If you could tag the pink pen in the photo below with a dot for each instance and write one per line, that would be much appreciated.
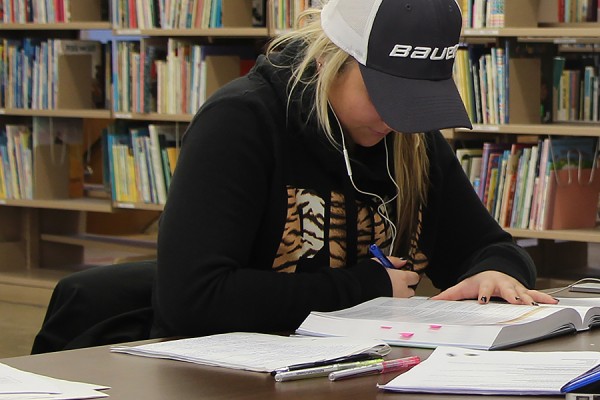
(380, 368)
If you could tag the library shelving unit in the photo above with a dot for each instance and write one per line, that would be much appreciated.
(559, 254)
(43, 239)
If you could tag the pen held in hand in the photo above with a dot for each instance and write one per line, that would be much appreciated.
(378, 254)
(381, 368)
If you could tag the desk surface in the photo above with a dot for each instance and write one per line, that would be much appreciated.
(133, 377)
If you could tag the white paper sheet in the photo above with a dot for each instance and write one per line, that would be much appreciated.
(255, 351)
(463, 371)
(21, 385)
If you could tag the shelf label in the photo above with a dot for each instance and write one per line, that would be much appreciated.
(2, 111)
(123, 115)
(129, 32)
(492, 128)
(125, 205)
(2, 202)
(481, 32)
(565, 40)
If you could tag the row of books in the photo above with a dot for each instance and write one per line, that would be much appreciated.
(183, 14)
(172, 76)
(38, 11)
(482, 13)
(529, 185)
(285, 12)
(139, 161)
(578, 11)
(481, 75)
(43, 148)
(35, 73)
(576, 92)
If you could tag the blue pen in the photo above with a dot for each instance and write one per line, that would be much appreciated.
(376, 251)
(592, 376)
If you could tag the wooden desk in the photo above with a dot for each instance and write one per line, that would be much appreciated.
(133, 377)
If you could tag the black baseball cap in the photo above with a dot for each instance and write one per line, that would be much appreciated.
(406, 51)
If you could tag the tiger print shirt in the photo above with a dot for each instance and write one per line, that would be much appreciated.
(262, 224)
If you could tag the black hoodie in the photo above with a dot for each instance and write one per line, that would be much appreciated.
(262, 224)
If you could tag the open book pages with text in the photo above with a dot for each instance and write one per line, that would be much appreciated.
(420, 322)
(256, 351)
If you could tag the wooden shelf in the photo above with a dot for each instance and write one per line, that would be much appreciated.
(29, 286)
(578, 129)
(154, 117)
(242, 32)
(64, 26)
(555, 32)
(575, 235)
(81, 204)
(142, 244)
(138, 206)
(72, 113)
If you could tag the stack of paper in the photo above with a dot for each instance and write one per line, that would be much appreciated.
(17, 384)
(256, 351)
(463, 371)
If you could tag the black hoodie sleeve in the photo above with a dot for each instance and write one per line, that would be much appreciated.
(211, 275)
(459, 235)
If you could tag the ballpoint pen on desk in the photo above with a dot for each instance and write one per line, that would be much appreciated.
(323, 363)
(322, 371)
(378, 254)
(381, 368)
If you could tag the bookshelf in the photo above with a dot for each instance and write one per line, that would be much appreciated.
(43, 239)
(535, 25)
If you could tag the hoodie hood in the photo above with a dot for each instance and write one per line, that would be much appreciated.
(368, 163)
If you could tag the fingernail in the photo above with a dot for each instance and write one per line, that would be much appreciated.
(533, 303)
(483, 299)
(517, 298)
(556, 299)
(402, 259)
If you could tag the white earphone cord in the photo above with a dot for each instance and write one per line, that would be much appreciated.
(382, 208)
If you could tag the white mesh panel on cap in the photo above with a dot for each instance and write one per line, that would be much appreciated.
(347, 23)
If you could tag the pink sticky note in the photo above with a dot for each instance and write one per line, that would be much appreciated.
(385, 327)
(406, 335)
(434, 326)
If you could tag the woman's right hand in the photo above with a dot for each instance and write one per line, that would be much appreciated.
(402, 280)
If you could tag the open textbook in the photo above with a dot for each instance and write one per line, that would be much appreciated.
(420, 322)
(256, 351)
(465, 371)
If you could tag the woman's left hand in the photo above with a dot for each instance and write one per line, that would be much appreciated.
(489, 284)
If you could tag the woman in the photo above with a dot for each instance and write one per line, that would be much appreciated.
(330, 144)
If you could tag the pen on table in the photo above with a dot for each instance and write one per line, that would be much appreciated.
(322, 363)
(376, 251)
(381, 368)
(322, 371)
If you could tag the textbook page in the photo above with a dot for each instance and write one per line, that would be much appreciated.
(256, 351)
(17, 384)
(420, 322)
(463, 371)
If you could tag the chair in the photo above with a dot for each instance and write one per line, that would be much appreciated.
(101, 305)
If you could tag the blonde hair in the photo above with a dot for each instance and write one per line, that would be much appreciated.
(411, 163)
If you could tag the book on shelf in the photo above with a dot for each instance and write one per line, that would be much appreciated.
(465, 157)
(257, 351)
(421, 322)
(489, 148)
